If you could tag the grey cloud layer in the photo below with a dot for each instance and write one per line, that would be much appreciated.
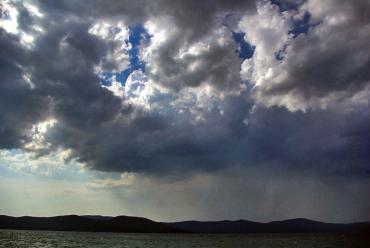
(328, 64)
(183, 130)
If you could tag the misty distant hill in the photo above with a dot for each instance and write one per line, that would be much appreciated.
(96, 223)
(286, 226)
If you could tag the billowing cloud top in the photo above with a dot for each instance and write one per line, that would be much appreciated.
(162, 87)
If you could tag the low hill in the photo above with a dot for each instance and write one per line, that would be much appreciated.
(94, 223)
(85, 223)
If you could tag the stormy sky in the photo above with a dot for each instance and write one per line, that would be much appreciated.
(177, 110)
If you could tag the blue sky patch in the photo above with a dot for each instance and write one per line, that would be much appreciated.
(245, 50)
(137, 34)
(301, 26)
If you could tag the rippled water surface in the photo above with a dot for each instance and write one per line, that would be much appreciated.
(43, 239)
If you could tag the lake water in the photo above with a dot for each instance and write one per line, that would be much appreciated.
(46, 239)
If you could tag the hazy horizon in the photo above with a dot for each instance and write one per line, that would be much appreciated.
(173, 221)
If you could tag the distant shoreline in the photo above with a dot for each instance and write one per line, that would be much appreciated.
(128, 224)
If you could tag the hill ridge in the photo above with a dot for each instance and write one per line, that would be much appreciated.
(123, 223)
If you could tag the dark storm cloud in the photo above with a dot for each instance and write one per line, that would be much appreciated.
(143, 142)
(327, 62)
(193, 20)
(217, 66)
(329, 66)
(188, 13)
(110, 133)
(326, 141)
(19, 105)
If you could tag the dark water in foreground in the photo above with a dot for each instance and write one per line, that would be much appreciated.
(46, 239)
